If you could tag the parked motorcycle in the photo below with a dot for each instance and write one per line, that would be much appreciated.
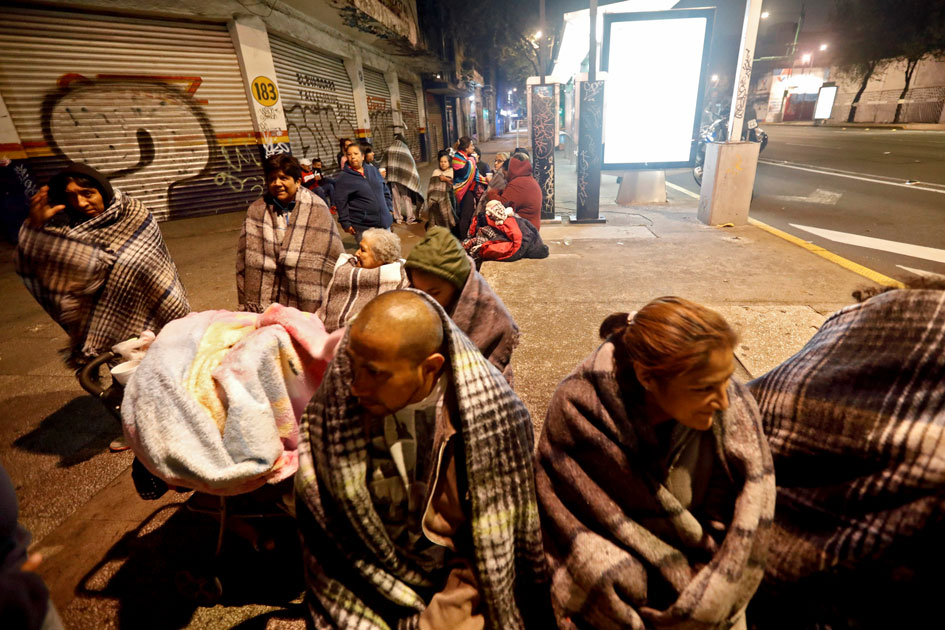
(715, 129)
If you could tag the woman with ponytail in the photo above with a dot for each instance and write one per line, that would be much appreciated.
(654, 479)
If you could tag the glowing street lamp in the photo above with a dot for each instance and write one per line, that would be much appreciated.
(715, 78)
(764, 15)
(805, 58)
(823, 47)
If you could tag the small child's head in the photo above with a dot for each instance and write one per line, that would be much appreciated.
(368, 151)
(444, 159)
(317, 164)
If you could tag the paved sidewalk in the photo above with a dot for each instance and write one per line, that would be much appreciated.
(111, 559)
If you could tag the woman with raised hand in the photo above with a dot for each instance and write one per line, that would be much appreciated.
(655, 483)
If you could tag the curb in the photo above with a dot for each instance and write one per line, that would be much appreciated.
(849, 265)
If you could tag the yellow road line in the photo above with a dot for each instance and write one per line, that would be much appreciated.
(849, 265)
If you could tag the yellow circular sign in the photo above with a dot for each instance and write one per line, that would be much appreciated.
(264, 91)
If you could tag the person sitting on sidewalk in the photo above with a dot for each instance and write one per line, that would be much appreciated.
(499, 234)
(377, 267)
(313, 179)
(856, 426)
(361, 196)
(95, 260)
(404, 180)
(415, 494)
(440, 207)
(497, 182)
(288, 245)
(655, 482)
(522, 192)
(439, 266)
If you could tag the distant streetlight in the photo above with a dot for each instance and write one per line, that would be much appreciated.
(823, 47)
(515, 89)
(715, 78)
(805, 58)
(537, 35)
(764, 15)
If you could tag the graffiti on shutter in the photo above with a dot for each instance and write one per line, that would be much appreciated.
(318, 119)
(152, 139)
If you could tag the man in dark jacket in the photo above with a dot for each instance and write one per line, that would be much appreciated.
(522, 193)
(361, 196)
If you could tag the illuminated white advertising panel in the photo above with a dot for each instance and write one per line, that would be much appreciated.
(656, 65)
(825, 99)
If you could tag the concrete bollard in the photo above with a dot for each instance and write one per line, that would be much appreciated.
(727, 181)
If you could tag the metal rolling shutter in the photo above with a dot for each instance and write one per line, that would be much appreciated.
(159, 106)
(318, 100)
(410, 110)
(380, 111)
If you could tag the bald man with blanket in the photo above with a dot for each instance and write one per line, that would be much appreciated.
(416, 493)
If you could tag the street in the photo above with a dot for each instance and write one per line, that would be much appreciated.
(874, 196)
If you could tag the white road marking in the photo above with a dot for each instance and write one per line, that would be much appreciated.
(682, 190)
(821, 196)
(862, 178)
(894, 247)
(923, 273)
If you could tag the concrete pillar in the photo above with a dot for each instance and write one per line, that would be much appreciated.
(355, 69)
(398, 108)
(727, 181)
(259, 79)
(642, 187)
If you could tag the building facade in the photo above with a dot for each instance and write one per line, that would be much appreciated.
(180, 102)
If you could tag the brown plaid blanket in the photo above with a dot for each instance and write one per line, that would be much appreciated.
(356, 576)
(856, 424)
(104, 280)
(401, 167)
(625, 552)
(294, 272)
(352, 287)
(481, 314)
(440, 207)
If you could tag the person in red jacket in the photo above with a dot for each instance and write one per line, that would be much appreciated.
(522, 193)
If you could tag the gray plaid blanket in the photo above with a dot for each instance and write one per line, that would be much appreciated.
(481, 314)
(352, 287)
(104, 280)
(440, 207)
(856, 424)
(625, 551)
(294, 272)
(356, 576)
(401, 167)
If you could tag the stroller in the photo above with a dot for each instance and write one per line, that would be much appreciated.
(245, 510)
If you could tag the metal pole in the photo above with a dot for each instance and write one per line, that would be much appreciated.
(797, 31)
(746, 53)
(541, 66)
(592, 48)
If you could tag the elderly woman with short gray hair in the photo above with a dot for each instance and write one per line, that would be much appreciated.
(377, 267)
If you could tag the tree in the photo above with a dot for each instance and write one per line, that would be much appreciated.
(873, 33)
(861, 49)
(919, 29)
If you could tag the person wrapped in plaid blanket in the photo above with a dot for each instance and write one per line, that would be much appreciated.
(415, 493)
(288, 245)
(94, 258)
(655, 482)
(856, 425)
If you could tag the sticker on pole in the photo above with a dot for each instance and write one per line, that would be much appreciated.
(264, 91)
